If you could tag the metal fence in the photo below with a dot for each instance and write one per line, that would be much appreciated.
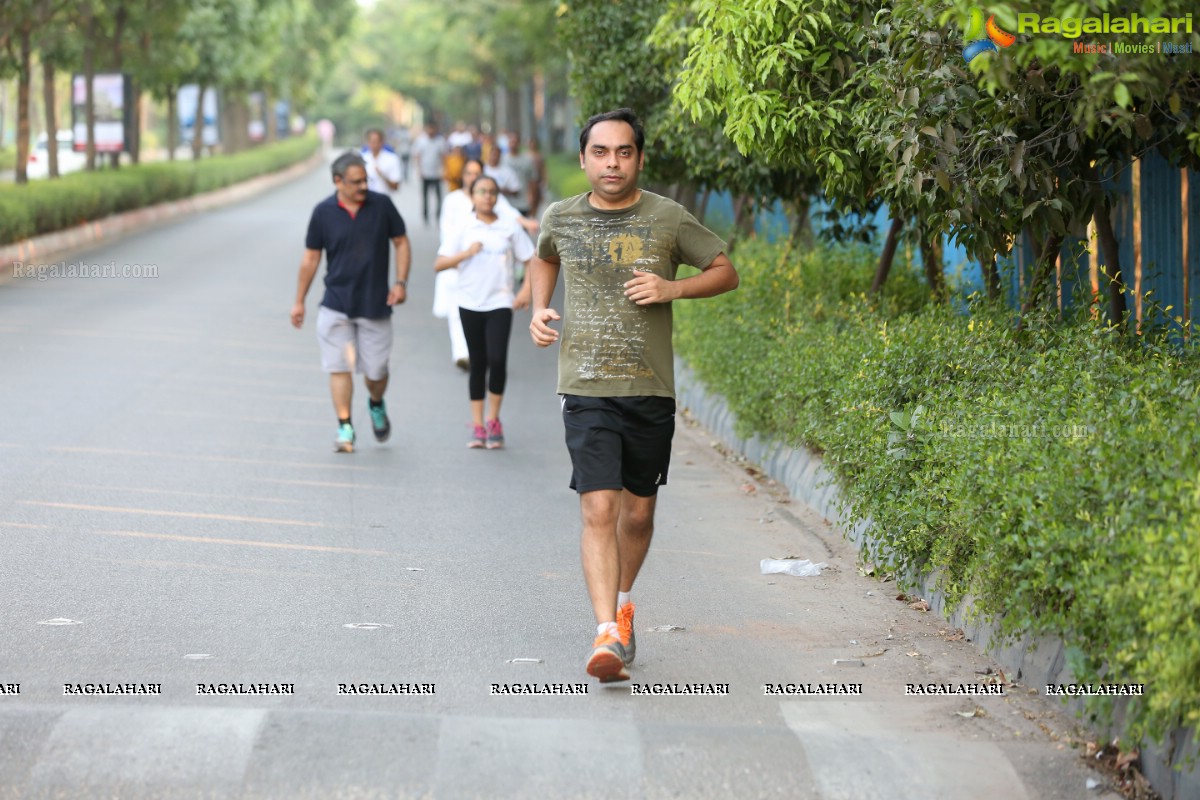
(1156, 219)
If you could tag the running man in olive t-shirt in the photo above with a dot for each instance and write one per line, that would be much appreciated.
(618, 248)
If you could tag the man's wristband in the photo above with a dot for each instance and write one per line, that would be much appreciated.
(403, 283)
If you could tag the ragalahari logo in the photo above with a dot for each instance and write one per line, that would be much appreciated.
(980, 38)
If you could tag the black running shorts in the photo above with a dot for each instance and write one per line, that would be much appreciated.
(619, 442)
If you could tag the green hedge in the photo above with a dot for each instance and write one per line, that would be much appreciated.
(1050, 476)
(46, 206)
(563, 175)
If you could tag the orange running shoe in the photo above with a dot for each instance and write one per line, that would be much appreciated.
(625, 628)
(607, 662)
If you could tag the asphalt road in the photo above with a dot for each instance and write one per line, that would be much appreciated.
(172, 515)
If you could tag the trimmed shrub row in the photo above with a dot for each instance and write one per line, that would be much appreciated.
(1048, 475)
(50, 205)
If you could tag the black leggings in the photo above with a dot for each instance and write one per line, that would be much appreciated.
(487, 335)
(436, 185)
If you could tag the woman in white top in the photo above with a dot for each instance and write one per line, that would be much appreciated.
(458, 211)
(484, 251)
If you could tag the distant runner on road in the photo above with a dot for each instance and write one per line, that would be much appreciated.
(618, 247)
(383, 165)
(354, 322)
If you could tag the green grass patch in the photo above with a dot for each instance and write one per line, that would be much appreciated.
(50, 205)
(1049, 476)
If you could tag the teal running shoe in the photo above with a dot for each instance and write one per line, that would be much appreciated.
(380, 422)
(345, 439)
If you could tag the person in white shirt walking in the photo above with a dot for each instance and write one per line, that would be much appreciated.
(383, 165)
(430, 152)
(458, 212)
(484, 252)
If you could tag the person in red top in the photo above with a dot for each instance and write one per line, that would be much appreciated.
(354, 322)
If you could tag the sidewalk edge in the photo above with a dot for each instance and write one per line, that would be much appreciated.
(59, 243)
(1037, 660)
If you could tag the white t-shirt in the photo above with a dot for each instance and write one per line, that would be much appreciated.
(505, 178)
(485, 280)
(458, 212)
(388, 163)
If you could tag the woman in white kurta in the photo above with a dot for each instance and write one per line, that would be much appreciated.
(484, 252)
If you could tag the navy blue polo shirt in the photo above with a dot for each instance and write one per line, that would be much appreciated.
(357, 251)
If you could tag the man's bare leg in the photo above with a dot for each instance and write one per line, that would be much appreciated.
(341, 386)
(600, 551)
(376, 388)
(602, 571)
(635, 528)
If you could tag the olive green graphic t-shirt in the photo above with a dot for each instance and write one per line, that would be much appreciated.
(610, 346)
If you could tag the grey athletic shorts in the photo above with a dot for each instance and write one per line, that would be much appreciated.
(354, 344)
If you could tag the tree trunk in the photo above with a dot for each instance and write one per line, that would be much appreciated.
(931, 261)
(887, 256)
(1111, 250)
(51, 117)
(3, 108)
(1042, 271)
(241, 121)
(743, 217)
(225, 122)
(89, 103)
(991, 279)
(23, 78)
(134, 145)
(801, 226)
(120, 18)
(268, 112)
(1112, 261)
(686, 195)
(172, 123)
(198, 124)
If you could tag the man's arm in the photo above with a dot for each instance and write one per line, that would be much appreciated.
(542, 276)
(399, 291)
(717, 278)
(308, 270)
(508, 210)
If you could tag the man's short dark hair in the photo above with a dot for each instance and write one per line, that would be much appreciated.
(367, 135)
(620, 115)
(345, 161)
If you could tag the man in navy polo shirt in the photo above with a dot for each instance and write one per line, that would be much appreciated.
(354, 321)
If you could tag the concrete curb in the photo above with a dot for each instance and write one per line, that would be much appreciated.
(1035, 661)
(41, 248)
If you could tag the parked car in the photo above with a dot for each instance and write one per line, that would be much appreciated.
(38, 165)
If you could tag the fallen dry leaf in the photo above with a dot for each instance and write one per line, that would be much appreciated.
(875, 655)
(1126, 760)
(920, 605)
